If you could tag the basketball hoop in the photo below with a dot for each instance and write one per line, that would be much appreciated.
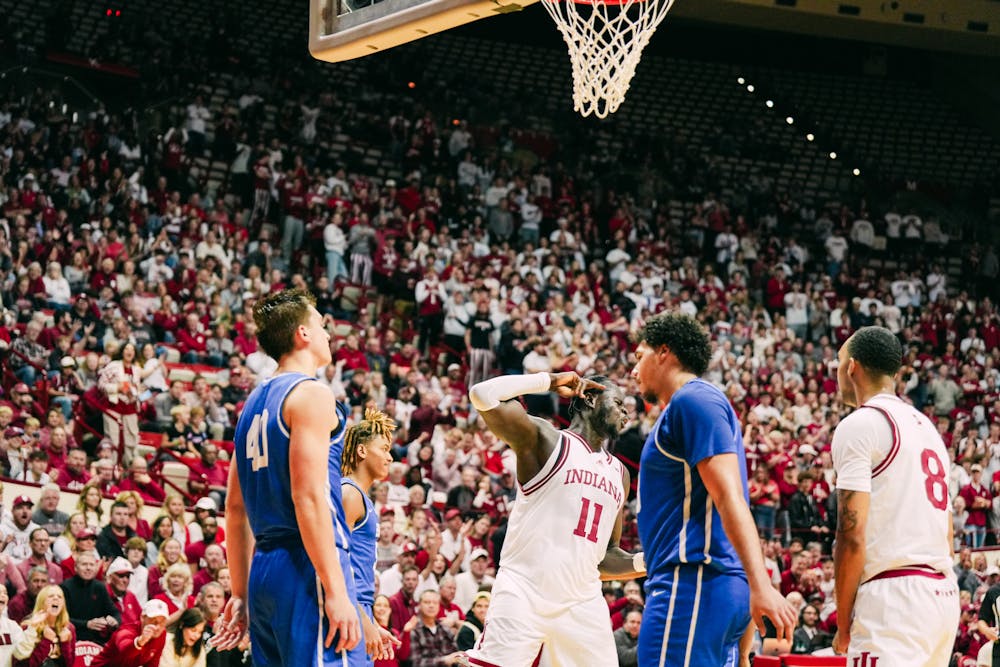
(605, 39)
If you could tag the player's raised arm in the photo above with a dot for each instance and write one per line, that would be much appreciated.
(311, 415)
(508, 419)
(619, 564)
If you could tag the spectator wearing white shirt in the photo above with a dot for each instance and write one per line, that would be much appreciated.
(893, 227)
(197, 114)
(455, 536)
(836, 251)
(937, 283)
(726, 245)
(913, 232)
(862, 236)
(467, 583)
(57, 289)
(797, 310)
(335, 244)
(156, 268)
(210, 247)
(531, 220)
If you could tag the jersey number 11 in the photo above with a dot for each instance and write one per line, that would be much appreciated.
(581, 526)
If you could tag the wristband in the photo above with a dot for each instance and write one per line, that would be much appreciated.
(638, 562)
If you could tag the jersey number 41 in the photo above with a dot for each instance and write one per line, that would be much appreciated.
(257, 442)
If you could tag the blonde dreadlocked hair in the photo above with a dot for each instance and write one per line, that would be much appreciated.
(374, 424)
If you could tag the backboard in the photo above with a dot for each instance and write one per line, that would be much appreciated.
(345, 29)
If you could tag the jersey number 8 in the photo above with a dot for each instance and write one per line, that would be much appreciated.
(934, 483)
(257, 442)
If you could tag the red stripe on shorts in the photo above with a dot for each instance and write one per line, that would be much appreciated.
(912, 571)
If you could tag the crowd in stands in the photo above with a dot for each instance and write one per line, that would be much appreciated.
(127, 285)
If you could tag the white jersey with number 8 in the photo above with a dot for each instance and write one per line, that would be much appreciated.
(890, 450)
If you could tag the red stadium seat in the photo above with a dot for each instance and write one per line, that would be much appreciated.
(766, 661)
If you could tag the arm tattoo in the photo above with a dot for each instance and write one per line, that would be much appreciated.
(847, 519)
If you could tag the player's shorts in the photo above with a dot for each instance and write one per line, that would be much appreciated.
(575, 635)
(695, 619)
(902, 620)
(358, 656)
(287, 627)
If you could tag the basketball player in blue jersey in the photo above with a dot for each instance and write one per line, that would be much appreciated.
(705, 573)
(284, 491)
(367, 455)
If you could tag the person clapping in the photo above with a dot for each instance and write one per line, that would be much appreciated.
(49, 638)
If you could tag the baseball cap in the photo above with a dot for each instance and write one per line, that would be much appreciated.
(120, 565)
(67, 362)
(992, 570)
(976, 467)
(451, 514)
(206, 503)
(410, 548)
(23, 500)
(807, 449)
(454, 367)
(86, 534)
(13, 432)
(969, 608)
(155, 608)
(21, 388)
(479, 553)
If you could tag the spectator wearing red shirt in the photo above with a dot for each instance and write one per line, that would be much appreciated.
(39, 542)
(73, 476)
(403, 604)
(208, 477)
(352, 354)
(191, 340)
(118, 576)
(211, 534)
(215, 560)
(137, 644)
(979, 500)
(139, 480)
(791, 578)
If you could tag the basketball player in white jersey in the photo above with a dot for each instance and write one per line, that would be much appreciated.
(897, 598)
(562, 537)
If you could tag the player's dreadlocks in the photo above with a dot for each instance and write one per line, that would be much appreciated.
(374, 424)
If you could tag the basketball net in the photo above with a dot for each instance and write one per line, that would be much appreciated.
(605, 41)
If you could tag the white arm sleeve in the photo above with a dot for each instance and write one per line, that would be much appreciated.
(491, 393)
(860, 442)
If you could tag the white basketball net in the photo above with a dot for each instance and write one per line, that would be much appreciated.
(605, 44)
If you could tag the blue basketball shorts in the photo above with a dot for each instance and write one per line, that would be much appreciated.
(694, 619)
(287, 626)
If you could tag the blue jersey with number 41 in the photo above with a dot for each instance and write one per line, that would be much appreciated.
(261, 459)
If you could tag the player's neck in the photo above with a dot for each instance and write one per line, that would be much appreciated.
(867, 393)
(297, 362)
(363, 478)
(672, 384)
(594, 440)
